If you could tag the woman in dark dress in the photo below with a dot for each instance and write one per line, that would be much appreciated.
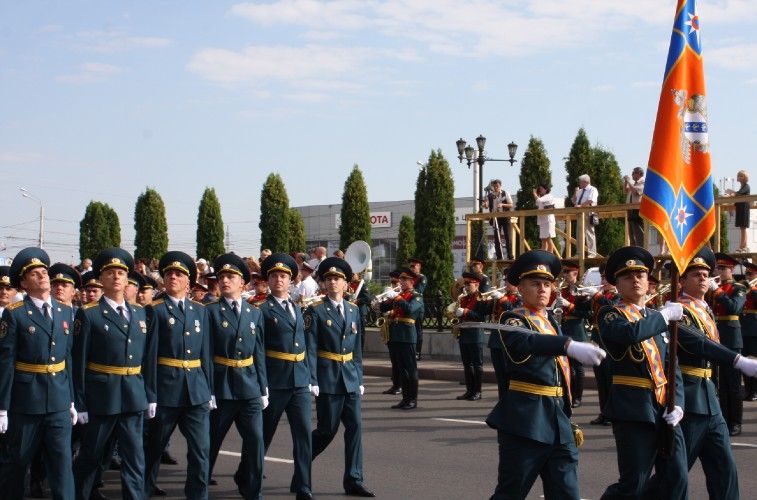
(742, 209)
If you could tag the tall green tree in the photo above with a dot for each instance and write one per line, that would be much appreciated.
(98, 229)
(209, 226)
(578, 163)
(296, 231)
(434, 238)
(405, 240)
(150, 226)
(724, 240)
(605, 176)
(274, 212)
(356, 215)
(534, 170)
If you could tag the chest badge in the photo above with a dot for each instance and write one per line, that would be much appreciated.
(328, 322)
(225, 324)
(143, 326)
(65, 327)
(106, 327)
(171, 321)
(32, 330)
(354, 327)
(197, 325)
(665, 337)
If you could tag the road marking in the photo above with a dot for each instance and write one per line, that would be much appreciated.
(745, 445)
(459, 421)
(269, 459)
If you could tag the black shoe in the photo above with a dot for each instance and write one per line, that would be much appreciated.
(99, 484)
(242, 487)
(465, 395)
(305, 496)
(358, 490)
(475, 396)
(410, 405)
(213, 482)
(576, 403)
(600, 420)
(157, 491)
(167, 459)
(735, 430)
(418, 357)
(115, 463)
(400, 405)
(36, 490)
(96, 495)
(393, 390)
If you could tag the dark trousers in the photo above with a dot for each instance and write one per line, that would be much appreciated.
(331, 409)
(96, 442)
(408, 368)
(750, 349)
(637, 444)
(730, 394)
(577, 379)
(296, 403)
(194, 424)
(504, 228)
(706, 438)
(500, 370)
(419, 334)
(26, 434)
(522, 460)
(472, 355)
(247, 414)
(603, 378)
(396, 377)
(635, 228)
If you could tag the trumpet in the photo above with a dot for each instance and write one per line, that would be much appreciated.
(378, 299)
(486, 294)
(660, 292)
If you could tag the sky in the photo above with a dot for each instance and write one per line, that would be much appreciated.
(100, 99)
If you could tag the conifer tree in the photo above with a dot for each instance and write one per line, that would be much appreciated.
(274, 211)
(405, 241)
(605, 176)
(296, 231)
(209, 226)
(534, 170)
(356, 216)
(421, 212)
(578, 163)
(150, 226)
(98, 229)
(114, 225)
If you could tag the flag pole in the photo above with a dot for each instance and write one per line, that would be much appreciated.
(668, 444)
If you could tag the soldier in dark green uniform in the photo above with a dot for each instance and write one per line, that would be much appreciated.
(420, 287)
(727, 301)
(704, 429)
(182, 376)
(471, 340)
(93, 289)
(36, 389)
(7, 292)
(532, 418)
(749, 325)
(405, 311)
(334, 325)
(241, 386)
(110, 347)
(477, 267)
(500, 304)
(606, 296)
(396, 388)
(636, 339)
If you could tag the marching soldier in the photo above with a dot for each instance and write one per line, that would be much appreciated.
(36, 392)
(405, 312)
(704, 429)
(471, 340)
(532, 418)
(182, 375)
(290, 367)
(110, 347)
(241, 386)
(396, 388)
(501, 303)
(334, 324)
(636, 339)
(576, 312)
(420, 287)
(727, 302)
(604, 297)
(477, 267)
(749, 325)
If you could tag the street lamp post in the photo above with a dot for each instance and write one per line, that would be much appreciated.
(26, 194)
(477, 157)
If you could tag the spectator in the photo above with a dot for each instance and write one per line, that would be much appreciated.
(742, 209)
(634, 187)
(587, 195)
(545, 201)
(319, 255)
(263, 254)
(339, 253)
(85, 266)
(502, 203)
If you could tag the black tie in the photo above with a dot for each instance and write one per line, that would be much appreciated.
(339, 310)
(121, 311)
(48, 313)
(181, 306)
(235, 308)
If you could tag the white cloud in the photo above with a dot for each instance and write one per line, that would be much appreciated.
(90, 73)
(11, 158)
(345, 14)
(736, 57)
(118, 41)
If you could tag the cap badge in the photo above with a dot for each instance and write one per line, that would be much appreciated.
(630, 262)
(698, 260)
(227, 266)
(59, 276)
(115, 260)
(541, 267)
(35, 260)
(333, 270)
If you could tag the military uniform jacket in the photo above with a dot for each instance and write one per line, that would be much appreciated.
(575, 316)
(496, 309)
(532, 358)
(749, 314)
(475, 309)
(729, 304)
(103, 337)
(26, 336)
(333, 334)
(406, 310)
(621, 339)
(422, 283)
(184, 337)
(286, 335)
(237, 338)
(698, 351)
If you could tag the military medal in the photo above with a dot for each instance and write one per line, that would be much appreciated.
(197, 325)
(171, 321)
(65, 327)
(354, 327)
(252, 325)
(665, 337)
(143, 326)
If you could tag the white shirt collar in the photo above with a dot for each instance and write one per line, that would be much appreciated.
(115, 305)
(231, 301)
(175, 300)
(38, 302)
(335, 304)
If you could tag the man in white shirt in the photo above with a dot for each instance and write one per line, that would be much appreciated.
(308, 287)
(634, 187)
(587, 195)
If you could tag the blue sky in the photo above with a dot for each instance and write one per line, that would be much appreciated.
(100, 99)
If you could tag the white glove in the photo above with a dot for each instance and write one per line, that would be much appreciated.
(390, 294)
(712, 285)
(213, 404)
(264, 398)
(83, 417)
(496, 295)
(674, 417)
(746, 366)
(459, 312)
(72, 412)
(362, 390)
(672, 311)
(152, 409)
(585, 353)
(3, 421)
(314, 390)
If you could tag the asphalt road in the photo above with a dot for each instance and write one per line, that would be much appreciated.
(441, 450)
